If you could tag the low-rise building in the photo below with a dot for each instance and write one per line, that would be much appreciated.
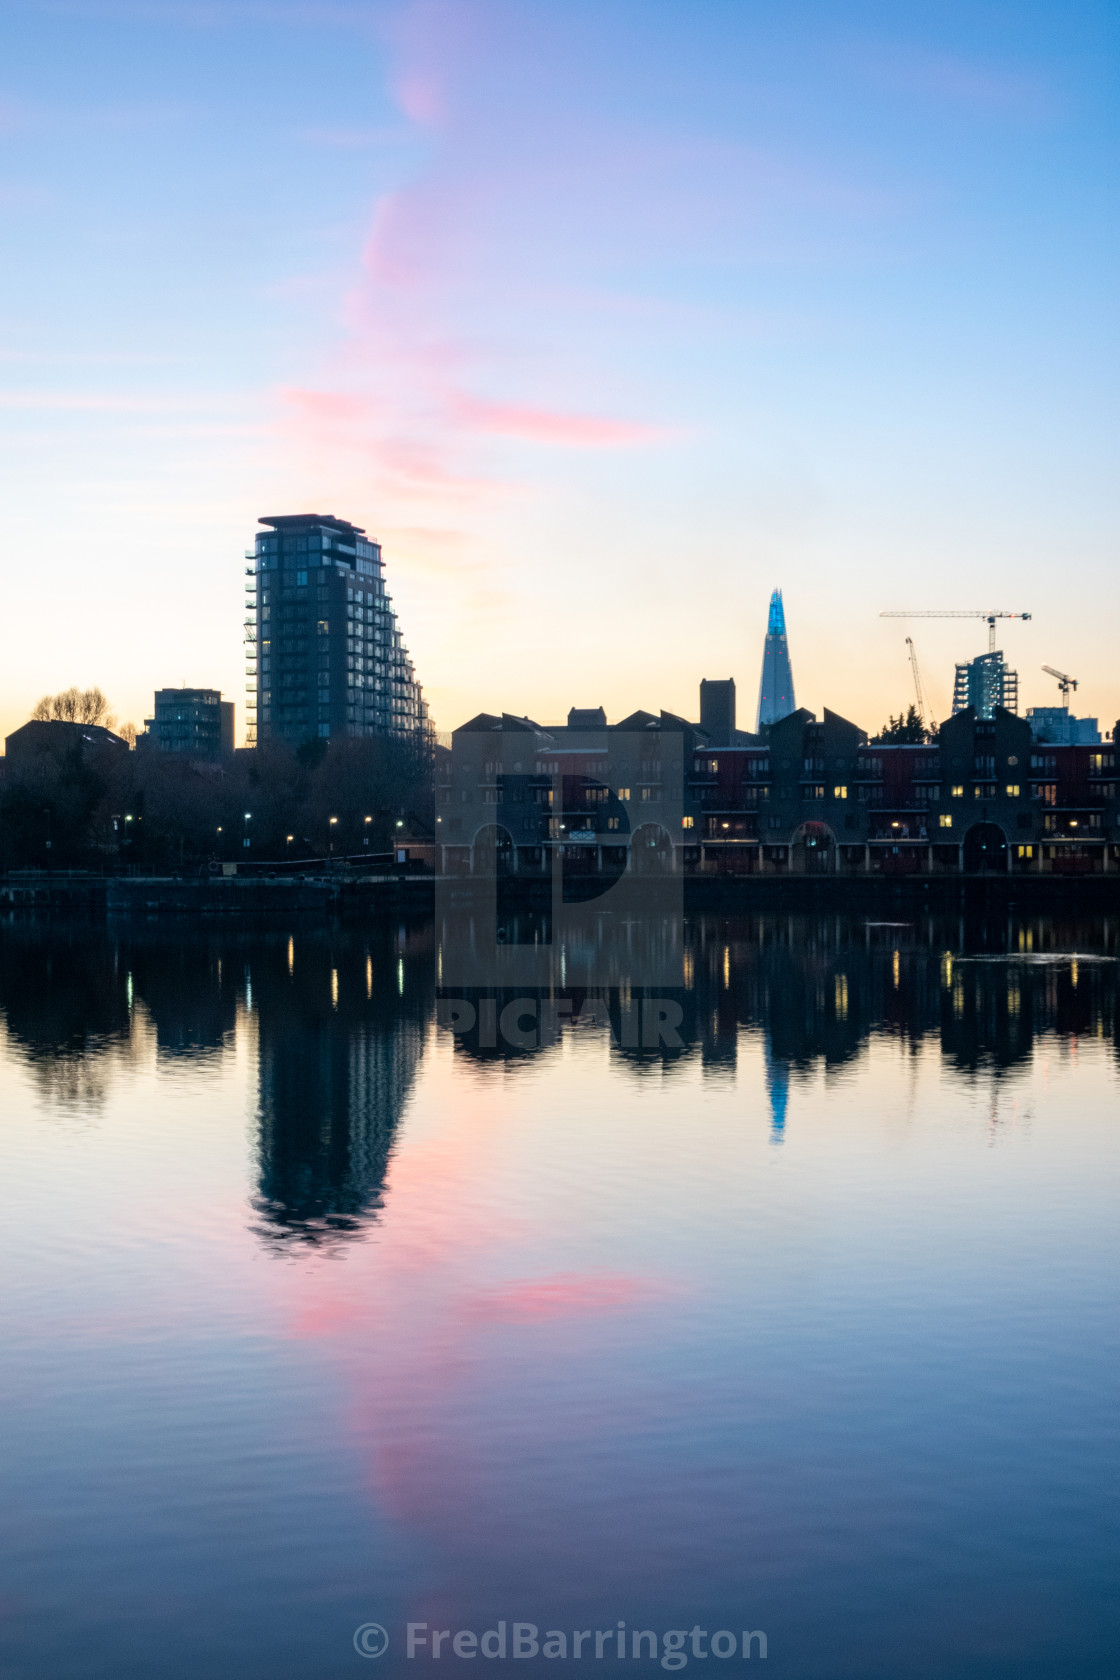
(58, 738)
(805, 796)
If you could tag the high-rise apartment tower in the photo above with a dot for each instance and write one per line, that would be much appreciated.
(325, 655)
(775, 691)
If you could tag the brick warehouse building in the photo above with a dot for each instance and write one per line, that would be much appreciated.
(806, 796)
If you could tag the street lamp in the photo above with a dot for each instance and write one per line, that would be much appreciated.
(331, 825)
(365, 842)
(245, 840)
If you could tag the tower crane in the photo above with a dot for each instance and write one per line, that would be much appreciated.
(917, 679)
(1064, 683)
(990, 616)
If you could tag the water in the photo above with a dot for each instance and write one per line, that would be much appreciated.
(318, 1314)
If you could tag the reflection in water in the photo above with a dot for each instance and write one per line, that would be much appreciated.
(341, 1017)
(66, 1000)
(777, 1086)
(341, 1031)
(817, 988)
(583, 1324)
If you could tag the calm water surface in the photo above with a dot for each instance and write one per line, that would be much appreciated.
(317, 1313)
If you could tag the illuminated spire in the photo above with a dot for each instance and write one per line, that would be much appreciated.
(775, 692)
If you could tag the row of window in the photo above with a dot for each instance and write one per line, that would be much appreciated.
(984, 765)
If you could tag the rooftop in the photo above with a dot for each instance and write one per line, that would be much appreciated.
(284, 521)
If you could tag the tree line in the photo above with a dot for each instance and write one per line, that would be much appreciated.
(87, 804)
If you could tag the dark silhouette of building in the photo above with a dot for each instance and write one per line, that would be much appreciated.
(330, 659)
(807, 796)
(55, 738)
(717, 711)
(596, 793)
(819, 797)
(195, 722)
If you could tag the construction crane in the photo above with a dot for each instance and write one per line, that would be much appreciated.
(917, 679)
(990, 616)
(1064, 683)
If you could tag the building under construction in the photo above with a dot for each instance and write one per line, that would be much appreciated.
(985, 683)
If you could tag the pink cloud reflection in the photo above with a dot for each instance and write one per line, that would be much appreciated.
(565, 1295)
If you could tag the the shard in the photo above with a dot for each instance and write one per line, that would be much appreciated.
(775, 692)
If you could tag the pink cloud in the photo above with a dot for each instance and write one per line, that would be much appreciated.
(421, 98)
(345, 435)
(330, 407)
(539, 425)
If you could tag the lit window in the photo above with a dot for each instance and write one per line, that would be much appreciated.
(624, 793)
(713, 766)
(686, 822)
(839, 793)
(945, 820)
(647, 793)
(612, 822)
(1012, 790)
(958, 791)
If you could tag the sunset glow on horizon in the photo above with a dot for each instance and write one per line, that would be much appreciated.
(604, 320)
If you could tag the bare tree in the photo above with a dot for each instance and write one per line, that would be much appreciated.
(75, 705)
(128, 732)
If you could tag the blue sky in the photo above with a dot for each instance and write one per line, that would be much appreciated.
(605, 318)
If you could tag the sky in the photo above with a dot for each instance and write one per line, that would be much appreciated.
(604, 318)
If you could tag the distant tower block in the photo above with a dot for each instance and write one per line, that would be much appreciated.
(775, 693)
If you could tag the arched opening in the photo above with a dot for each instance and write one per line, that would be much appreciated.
(651, 850)
(985, 850)
(492, 851)
(813, 851)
